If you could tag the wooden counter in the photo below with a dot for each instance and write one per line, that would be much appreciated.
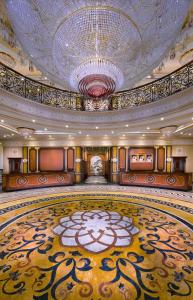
(176, 181)
(14, 182)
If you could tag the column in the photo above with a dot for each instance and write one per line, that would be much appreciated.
(37, 157)
(156, 158)
(25, 159)
(78, 160)
(114, 164)
(65, 159)
(169, 159)
(127, 159)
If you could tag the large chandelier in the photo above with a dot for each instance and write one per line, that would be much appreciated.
(97, 47)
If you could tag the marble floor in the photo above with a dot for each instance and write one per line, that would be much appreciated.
(96, 180)
(96, 242)
(181, 195)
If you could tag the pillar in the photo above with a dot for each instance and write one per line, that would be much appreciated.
(37, 157)
(25, 159)
(78, 161)
(114, 164)
(156, 158)
(169, 159)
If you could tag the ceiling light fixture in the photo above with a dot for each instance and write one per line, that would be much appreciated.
(168, 130)
(25, 132)
(97, 47)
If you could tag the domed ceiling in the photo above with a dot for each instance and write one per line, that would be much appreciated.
(97, 47)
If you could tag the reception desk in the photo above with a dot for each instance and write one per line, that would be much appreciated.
(14, 182)
(176, 181)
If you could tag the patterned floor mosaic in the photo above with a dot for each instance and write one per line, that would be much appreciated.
(96, 246)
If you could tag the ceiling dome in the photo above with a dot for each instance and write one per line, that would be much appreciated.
(97, 47)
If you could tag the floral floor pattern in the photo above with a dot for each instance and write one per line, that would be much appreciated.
(96, 246)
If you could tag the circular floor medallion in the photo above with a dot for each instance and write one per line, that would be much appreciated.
(96, 246)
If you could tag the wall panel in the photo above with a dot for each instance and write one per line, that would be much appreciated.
(122, 159)
(32, 160)
(70, 159)
(142, 158)
(51, 159)
(161, 159)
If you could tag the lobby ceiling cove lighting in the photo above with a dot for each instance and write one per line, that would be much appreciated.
(97, 47)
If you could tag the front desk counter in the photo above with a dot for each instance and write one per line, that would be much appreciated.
(176, 181)
(14, 182)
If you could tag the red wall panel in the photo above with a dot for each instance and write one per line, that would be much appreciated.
(70, 159)
(161, 159)
(122, 159)
(32, 160)
(51, 159)
(141, 158)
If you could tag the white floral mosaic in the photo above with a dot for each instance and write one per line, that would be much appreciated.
(96, 230)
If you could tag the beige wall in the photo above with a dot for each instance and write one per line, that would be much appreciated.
(10, 152)
(184, 151)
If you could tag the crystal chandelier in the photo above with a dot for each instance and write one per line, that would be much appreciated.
(97, 47)
(25, 132)
(96, 78)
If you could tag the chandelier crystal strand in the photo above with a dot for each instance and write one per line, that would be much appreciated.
(97, 47)
(97, 78)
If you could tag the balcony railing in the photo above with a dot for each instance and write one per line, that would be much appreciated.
(175, 82)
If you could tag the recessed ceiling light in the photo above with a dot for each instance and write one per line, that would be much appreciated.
(181, 132)
(4, 136)
(2, 121)
(79, 132)
(33, 121)
(189, 134)
(96, 127)
(87, 135)
(45, 78)
(123, 134)
(148, 128)
(12, 134)
(67, 126)
(162, 119)
(127, 125)
(192, 118)
(143, 134)
(112, 131)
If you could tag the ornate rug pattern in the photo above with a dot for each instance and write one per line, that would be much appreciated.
(95, 246)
